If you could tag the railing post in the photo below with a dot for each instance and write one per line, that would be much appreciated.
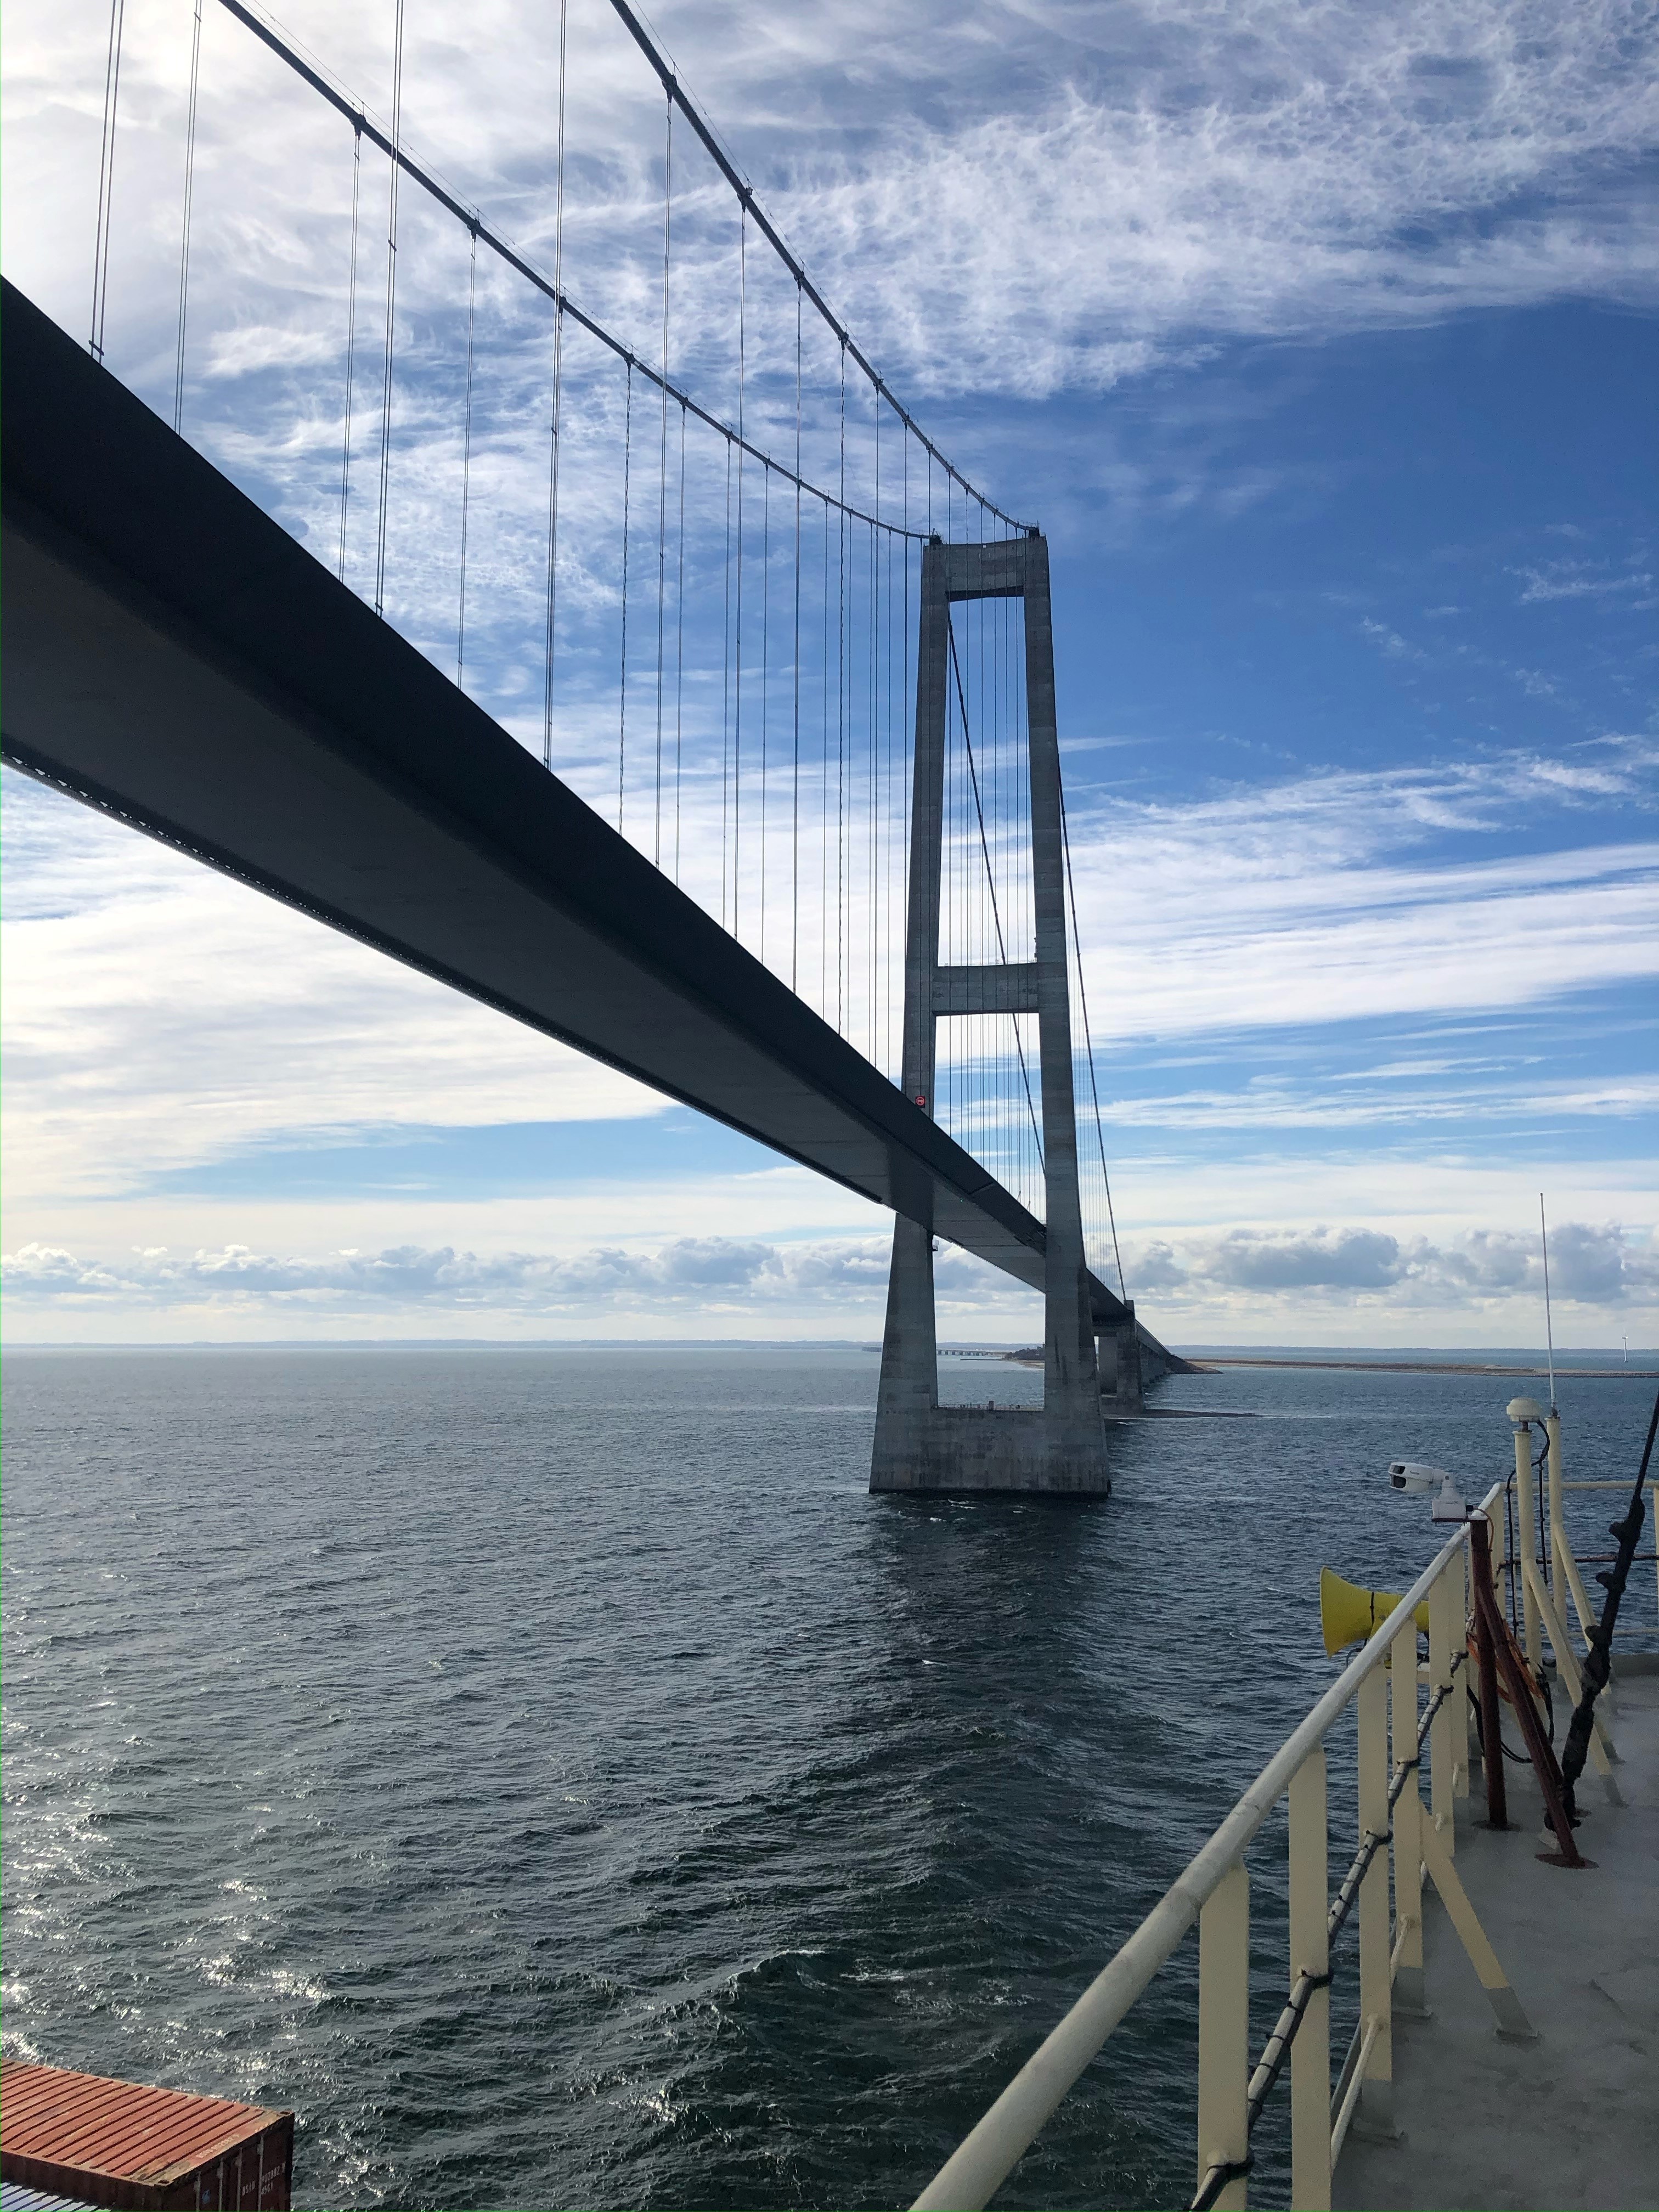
(1448, 1761)
(1223, 2033)
(1310, 2054)
(1376, 2112)
(1405, 1962)
(1526, 1537)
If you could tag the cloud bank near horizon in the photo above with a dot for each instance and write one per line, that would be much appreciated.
(1599, 1272)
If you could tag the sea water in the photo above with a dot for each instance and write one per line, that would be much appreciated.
(550, 1772)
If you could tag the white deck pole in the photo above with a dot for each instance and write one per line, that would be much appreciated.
(1527, 1540)
(1223, 2033)
(1375, 2114)
(1310, 2054)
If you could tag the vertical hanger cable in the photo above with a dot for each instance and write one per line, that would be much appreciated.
(737, 709)
(554, 441)
(680, 650)
(391, 306)
(106, 179)
(795, 806)
(662, 468)
(622, 686)
(183, 229)
(351, 344)
(467, 462)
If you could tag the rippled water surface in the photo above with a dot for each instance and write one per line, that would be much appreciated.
(549, 1772)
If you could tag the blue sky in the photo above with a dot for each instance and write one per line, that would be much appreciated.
(1322, 343)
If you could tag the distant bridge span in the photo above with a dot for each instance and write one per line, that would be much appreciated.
(175, 658)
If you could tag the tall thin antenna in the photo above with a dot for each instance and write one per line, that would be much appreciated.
(1549, 1330)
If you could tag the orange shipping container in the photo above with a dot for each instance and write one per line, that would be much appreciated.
(118, 2143)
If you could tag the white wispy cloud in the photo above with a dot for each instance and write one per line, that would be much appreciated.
(158, 1015)
(1579, 579)
(1299, 900)
(1020, 197)
(1323, 1102)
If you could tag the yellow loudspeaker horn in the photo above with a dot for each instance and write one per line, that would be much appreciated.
(1347, 1614)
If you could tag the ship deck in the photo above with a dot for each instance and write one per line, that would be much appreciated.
(1572, 2120)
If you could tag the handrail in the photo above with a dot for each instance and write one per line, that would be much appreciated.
(985, 2158)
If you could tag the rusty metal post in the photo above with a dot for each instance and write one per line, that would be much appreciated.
(1566, 1853)
(1492, 1740)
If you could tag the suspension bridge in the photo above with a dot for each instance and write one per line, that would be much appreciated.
(661, 682)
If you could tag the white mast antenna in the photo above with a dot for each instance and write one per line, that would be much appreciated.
(1549, 1329)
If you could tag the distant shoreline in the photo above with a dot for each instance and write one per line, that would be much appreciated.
(1214, 1362)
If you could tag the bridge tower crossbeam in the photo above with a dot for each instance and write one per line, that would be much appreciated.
(920, 1445)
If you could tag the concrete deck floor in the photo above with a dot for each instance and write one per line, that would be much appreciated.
(1571, 2120)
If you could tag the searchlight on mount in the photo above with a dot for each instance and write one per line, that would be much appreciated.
(1416, 1478)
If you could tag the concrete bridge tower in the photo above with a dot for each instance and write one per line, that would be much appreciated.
(920, 1445)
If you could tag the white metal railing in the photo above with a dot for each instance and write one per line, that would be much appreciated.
(1397, 1834)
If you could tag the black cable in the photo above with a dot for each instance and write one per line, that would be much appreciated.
(1516, 1758)
(1277, 2050)
(1509, 1552)
(1600, 1637)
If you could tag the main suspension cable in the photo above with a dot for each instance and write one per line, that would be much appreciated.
(745, 192)
(550, 288)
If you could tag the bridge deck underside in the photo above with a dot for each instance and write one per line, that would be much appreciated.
(173, 657)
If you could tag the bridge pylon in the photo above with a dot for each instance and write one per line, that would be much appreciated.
(920, 1445)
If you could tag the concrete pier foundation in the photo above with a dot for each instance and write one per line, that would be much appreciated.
(1122, 1381)
(920, 1445)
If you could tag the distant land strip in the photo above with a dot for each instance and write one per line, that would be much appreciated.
(1215, 1362)
(1212, 1364)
